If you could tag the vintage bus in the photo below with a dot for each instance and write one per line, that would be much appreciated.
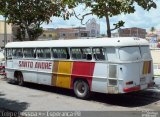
(108, 65)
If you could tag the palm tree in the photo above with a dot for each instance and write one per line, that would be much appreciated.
(152, 29)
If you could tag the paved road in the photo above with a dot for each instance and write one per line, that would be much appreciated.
(34, 97)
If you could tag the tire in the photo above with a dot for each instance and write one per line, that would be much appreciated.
(81, 89)
(20, 81)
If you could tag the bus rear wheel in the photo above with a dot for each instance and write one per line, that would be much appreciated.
(81, 89)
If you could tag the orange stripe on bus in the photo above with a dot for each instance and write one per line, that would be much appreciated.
(55, 70)
(64, 74)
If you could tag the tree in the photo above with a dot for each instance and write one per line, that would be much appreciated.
(152, 29)
(110, 8)
(30, 14)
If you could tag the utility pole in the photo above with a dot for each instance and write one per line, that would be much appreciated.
(5, 36)
(5, 31)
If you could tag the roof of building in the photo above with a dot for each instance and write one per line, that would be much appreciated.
(100, 42)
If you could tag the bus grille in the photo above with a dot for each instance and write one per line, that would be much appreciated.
(147, 67)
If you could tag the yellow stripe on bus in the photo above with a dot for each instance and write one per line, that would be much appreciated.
(64, 74)
(145, 67)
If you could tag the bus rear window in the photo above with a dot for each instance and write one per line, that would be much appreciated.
(145, 52)
(129, 53)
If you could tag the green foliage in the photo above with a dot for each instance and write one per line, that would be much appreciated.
(110, 8)
(30, 14)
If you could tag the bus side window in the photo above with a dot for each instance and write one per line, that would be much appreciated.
(17, 53)
(76, 53)
(29, 53)
(44, 53)
(60, 53)
(81, 53)
(99, 54)
(87, 53)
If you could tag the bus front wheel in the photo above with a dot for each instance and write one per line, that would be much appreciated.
(81, 89)
(20, 79)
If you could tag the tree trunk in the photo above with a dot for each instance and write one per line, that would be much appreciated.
(108, 26)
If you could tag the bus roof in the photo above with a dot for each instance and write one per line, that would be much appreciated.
(98, 42)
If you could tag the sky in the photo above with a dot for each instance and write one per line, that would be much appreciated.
(141, 19)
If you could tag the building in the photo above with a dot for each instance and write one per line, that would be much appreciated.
(132, 32)
(9, 33)
(72, 33)
(49, 34)
(82, 32)
(94, 28)
(67, 33)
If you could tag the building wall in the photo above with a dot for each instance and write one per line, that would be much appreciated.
(9, 28)
(9, 39)
(9, 33)
(49, 34)
(67, 33)
(132, 32)
(94, 28)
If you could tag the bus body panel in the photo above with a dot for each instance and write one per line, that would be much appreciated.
(127, 73)
(99, 82)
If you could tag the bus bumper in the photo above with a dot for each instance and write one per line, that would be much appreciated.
(131, 89)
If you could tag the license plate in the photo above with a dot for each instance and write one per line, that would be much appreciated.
(142, 80)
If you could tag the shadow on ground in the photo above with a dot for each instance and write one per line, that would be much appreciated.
(135, 99)
(10, 108)
(13, 105)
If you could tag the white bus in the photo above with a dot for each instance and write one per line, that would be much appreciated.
(109, 65)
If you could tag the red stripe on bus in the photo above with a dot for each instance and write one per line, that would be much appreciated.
(137, 88)
(83, 70)
(1, 67)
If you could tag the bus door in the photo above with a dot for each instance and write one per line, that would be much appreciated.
(9, 57)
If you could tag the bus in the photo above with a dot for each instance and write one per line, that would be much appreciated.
(107, 65)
